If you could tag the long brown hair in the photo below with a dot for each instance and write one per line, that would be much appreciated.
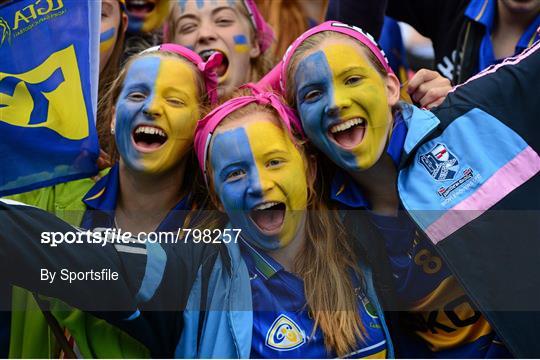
(327, 260)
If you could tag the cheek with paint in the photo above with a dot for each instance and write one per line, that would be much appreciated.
(148, 17)
(107, 40)
(241, 44)
(260, 179)
(360, 93)
(315, 99)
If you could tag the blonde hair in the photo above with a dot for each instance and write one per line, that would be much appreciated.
(326, 261)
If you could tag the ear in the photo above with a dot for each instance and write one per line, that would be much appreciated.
(392, 89)
(255, 49)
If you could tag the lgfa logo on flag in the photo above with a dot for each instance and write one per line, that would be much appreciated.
(50, 95)
(285, 335)
(441, 164)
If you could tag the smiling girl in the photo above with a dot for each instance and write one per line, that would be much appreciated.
(391, 156)
(311, 295)
(234, 28)
(158, 97)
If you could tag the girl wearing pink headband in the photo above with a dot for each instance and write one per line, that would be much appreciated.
(261, 175)
(390, 155)
(234, 28)
(153, 109)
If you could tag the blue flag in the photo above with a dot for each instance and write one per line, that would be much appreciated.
(48, 92)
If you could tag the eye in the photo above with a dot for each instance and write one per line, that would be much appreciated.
(353, 80)
(312, 95)
(175, 102)
(235, 175)
(136, 96)
(274, 163)
(187, 28)
(224, 22)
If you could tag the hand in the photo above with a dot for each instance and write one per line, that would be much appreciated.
(428, 88)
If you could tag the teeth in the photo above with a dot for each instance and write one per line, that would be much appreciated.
(266, 205)
(149, 130)
(346, 125)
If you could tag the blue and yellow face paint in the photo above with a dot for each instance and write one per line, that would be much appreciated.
(154, 106)
(343, 104)
(148, 17)
(107, 39)
(260, 179)
(241, 44)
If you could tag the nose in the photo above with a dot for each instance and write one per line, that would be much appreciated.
(207, 34)
(152, 110)
(259, 186)
(340, 103)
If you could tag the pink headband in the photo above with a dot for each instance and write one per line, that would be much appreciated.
(206, 126)
(277, 77)
(207, 68)
(264, 31)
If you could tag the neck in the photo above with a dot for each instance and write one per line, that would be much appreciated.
(378, 184)
(146, 199)
(287, 255)
(508, 28)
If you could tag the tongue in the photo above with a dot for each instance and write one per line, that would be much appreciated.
(350, 137)
(268, 220)
(152, 145)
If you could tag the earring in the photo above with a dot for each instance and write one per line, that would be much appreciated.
(112, 131)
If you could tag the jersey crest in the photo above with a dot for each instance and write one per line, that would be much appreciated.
(285, 334)
(440, 163)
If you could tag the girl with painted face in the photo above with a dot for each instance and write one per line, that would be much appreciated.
(389, 156)
(114, 22)
(311, 295)
(234, 28)
(159, 96)
(146, 16)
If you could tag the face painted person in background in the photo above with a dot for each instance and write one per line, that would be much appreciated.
(147, 15)
(225, 26)
(113, 23)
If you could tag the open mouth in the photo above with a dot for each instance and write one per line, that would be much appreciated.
(221, 69)
(140, 8)
(348, 134)
(269, 217)
(148, 138)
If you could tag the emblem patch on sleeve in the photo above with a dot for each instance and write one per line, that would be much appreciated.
(440, 163)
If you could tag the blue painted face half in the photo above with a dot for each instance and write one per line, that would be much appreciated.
(260, 178)
(343, 105)
(156, 114)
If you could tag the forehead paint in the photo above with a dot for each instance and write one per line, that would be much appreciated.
(182, 4)
(200, 4)
(106, 39)
(345, 81)
(240, 43)
(249, 150)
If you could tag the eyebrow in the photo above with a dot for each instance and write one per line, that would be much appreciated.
(349, 69)
(275, 152)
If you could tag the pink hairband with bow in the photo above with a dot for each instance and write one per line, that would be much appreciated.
(207, 126)
(207, 68)
(277, 77)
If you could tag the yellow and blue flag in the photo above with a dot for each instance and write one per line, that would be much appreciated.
(48, 92)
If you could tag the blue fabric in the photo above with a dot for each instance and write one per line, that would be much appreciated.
(391, 42)
(101, 203)
(469, 142)
(282, 327)
(484, 12)
(47, 139)
(343, 188)
(155, 267)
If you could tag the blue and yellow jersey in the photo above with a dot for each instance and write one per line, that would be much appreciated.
(438, 311)
(283, 327)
